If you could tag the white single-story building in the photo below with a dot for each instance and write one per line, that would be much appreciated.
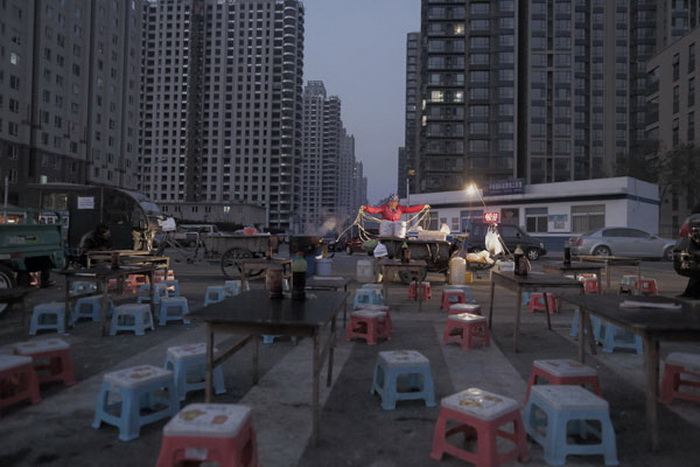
(552, 212)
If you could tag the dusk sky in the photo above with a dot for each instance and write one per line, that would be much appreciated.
(358, 49)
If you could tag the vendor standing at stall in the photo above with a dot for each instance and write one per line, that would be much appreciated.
(391, 224)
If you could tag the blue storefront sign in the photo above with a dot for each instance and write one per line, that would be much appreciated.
(505, 187)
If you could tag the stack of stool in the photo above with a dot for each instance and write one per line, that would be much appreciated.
(51, 358)
(134, 317)
(90, 308)
(220, 434)
(368, 325)
(466, 329)
(18, 381)
(561, 405)
(677, 365)
(402, 375)
(537, 302)
(420, 291)
(561, 372)
(189, 363)
(173, 309)
(138, 388)
(458, 308)
(480, 414)
(367, 296)
(48, 316)
(215, 294)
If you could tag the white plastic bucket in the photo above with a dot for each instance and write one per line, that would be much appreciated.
(392, 229)
(323, 266)
(458, 270)
(365, 271)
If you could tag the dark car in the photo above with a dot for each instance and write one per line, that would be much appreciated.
(686, 252)
(512, 236)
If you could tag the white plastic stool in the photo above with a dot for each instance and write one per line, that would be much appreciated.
(90, 308)
(399, 368)
(134, 317)
(189, 364)
(48, 316)
(173, 309)
(215, 294)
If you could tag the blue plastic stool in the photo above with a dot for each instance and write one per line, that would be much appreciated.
(48, 316)
(379, 288)
(137, 388)
(233, 287)
(160, 290)
(173, 309)
(561, 405)
(367, 297)
(90, 308)
(215, 294)
(134, 317)
(172, 287)
(401, 369)
(596, 325)
(614, 337)
(189, 363)
(464, 288)
(82, 287)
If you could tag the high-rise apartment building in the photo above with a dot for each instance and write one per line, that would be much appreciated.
(69, 92)
(541, 90)
(222, 107)
(407, 154)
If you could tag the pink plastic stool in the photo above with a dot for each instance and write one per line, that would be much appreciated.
(676, 365)
(422, 288)
(458, 308)
(466, 329)
(563, 372)
(646, 286)
(482, 415)
(212, 433)
(368, 325)
(18, 381)
(52, 359)
(537, 303)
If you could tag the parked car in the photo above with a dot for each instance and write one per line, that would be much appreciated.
(686, 252)
(512, 236)
(622, 241)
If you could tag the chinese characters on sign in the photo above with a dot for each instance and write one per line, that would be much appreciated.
(491, 217)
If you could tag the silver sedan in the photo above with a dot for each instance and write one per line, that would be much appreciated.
(622, 241)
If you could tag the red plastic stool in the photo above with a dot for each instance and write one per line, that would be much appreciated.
(537, 302)
(646, 286)
(563, 372)
(590, 285)
(676, 365)
(422, 288)
(458, 308)
(18, 381)
(368, 325)
(52, 359)
(450, 297)
(480, 414)
(466, 329)
(215, 433)
(386, 321)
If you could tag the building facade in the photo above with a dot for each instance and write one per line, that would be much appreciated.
(69, 92)
(222, 108)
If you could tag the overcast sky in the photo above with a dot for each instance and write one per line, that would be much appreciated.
(358, 49)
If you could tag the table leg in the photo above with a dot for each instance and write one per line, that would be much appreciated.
(315, 392)
(518, 308)
(493, 286)
(210, 365)
(582, 332)
(256, 358)
(104, 308)
(67, 318)
(607, 276)
(651, 361)
(331, 350)
(546, 310)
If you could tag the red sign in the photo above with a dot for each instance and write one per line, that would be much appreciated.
(491, 217)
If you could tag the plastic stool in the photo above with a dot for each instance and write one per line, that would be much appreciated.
(676, 365)
(368, 325)
(426, 292)
(132, 317)
(173, 309)
(590, 285)
(367, 297)
(466, 329)
(137, 388)
(563, 371)
(51, 357)
(220, 434)
(48, 316)
(233, 287)
(459, 308)
(379, 288)
(614, 337)
(536, 302)
(561, 405)
(172, 287)
(215, 294)
(90, 308)
(160, 290)
(403, 369)
(464, 288)
(646, 286)
(596, 324)
(18, 380)
(82, 287)
(480, 414)
(189, 363)
(450, 297)
(386, 321)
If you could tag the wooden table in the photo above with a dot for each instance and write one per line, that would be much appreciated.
(253, 314)
(334, 283)
(613, 261)
(127, 257)
(532, 282)
(652, 324)
(101, 276)
(387, 267)
(576, 267)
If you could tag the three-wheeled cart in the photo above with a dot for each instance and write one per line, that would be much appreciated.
(436, 254)
(234, 248)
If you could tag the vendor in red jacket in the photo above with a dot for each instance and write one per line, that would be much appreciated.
(391, 211)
